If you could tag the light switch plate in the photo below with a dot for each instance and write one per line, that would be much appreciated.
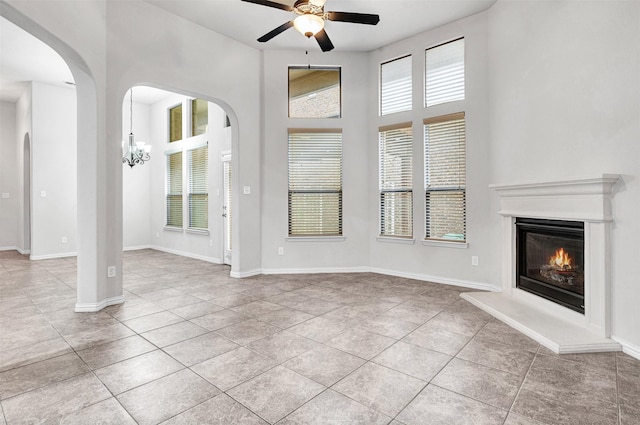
(5, 195)
(246, 190)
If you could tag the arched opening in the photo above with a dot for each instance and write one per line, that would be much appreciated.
(92, 188)
(176, 202)
(26, 179)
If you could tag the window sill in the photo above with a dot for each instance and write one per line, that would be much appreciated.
(446, 244)
(173, 228)
(197, 231)
(315, 239)
(390, 239)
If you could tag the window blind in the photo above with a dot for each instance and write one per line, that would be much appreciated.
(174, 189)
(395, 86)
(445, 177)
(444, 73)
(396, 194)
(199, 188)
(315, 183)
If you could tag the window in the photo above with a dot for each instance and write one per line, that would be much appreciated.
(444, 73)
(199, 116)
(198, 188)
(175, 123)
(174, 189)
(315, 182)
(314, 92)
(396, 194)
(395, 86)
(445, 175)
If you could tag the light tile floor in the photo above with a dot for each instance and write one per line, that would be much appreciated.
(191, 345)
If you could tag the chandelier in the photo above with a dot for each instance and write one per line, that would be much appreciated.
(134, 152)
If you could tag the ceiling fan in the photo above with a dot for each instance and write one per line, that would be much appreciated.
(310, 20)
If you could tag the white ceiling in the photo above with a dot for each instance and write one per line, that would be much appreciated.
(23, 58)
(399, 19)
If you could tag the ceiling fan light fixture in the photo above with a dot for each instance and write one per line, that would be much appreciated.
(308, 24)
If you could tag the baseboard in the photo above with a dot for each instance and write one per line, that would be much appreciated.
(186, 254)
(51, 256)
(240, 275)
(437, 279)
(627, 347)
(93, 307)
(317, 270)
(23, 251)
(137, 248)
(416, 276)
(9, 248)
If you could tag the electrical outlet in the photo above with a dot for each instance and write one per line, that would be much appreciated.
(157, 234)
(64, 239)
(280, 250)
(111, 271)
(210, 242)
(246, 190)
(474, 260)
(43, 193)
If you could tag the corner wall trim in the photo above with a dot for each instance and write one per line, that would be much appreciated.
(93, 307)
(627, 347)
(240, 275)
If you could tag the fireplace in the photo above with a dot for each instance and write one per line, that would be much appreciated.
(571, 219)
(550, 260)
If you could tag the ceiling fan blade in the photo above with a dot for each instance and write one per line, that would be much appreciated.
(356, 18)
(323, 40)
(271, 4)
(268, 36)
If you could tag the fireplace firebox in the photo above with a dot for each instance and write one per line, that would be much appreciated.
(550, 260)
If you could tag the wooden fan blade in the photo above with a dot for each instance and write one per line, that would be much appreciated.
(271, 4)
(324, 41)
(356, 18)
(268, 36)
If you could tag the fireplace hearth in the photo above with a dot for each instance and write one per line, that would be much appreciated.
(550, 260)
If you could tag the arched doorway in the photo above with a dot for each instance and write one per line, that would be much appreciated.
(162, 196)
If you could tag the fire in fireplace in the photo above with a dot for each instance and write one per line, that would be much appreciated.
(550, 260)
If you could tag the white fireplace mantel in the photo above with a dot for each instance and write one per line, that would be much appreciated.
(558, 328)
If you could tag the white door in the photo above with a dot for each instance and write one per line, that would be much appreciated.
(226, 209)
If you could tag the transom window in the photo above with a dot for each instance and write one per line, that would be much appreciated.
(395, 86)
(314, 92)
(444, 76)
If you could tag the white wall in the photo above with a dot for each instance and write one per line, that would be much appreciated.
(185, 242)
(8, 177)
(153, 47)
(23, 129)
(438, 263)
(352, 253)
(565, 103)
(136, 181)
(53, 166)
